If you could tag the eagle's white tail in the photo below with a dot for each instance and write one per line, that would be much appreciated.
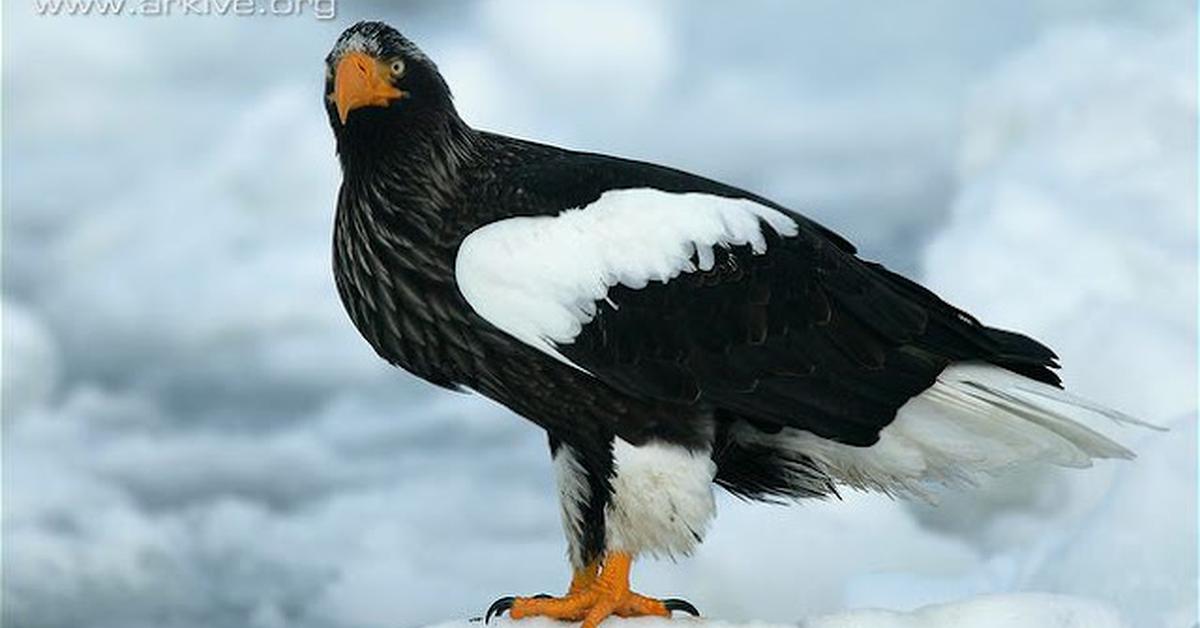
(977, 418)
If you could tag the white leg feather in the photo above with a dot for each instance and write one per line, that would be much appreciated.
(662, 499)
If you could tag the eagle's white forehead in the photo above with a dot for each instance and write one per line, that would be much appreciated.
(357, 42)
(375, 40)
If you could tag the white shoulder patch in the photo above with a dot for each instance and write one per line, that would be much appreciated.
(539, 278)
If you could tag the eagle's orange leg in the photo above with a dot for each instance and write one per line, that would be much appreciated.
(584, 578)
(596, 593)
(571, 606)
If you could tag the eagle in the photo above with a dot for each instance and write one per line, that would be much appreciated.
(668, 332)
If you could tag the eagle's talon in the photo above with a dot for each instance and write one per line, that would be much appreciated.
(498, 608)
(676, 604)
(595, 595)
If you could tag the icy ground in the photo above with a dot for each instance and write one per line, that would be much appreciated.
(194, 436)
(1015, 610)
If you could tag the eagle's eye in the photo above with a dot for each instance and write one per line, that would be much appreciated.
(397, 67)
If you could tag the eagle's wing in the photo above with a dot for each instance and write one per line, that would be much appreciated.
(673, 287)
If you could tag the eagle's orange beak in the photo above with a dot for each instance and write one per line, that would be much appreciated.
(361, 81)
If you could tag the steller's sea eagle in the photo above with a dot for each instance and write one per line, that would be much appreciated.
(667, 331)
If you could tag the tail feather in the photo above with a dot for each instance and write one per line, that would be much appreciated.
(1024, 355)
(1016, 396)
(1062, 396)
(1012, 345)
(976, 419)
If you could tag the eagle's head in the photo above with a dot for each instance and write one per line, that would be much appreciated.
(378, 83)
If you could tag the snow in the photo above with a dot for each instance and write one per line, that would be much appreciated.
(1104, 159)
(195, 436)
(1016, 610)
(989, 611)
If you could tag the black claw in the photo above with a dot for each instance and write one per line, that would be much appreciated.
(542, 596)
(498, 608)
(676, 604)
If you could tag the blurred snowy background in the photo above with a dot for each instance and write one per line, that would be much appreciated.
(194, 436)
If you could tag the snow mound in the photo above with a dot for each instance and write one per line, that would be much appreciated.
(1078, 178)
(1016, 610)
